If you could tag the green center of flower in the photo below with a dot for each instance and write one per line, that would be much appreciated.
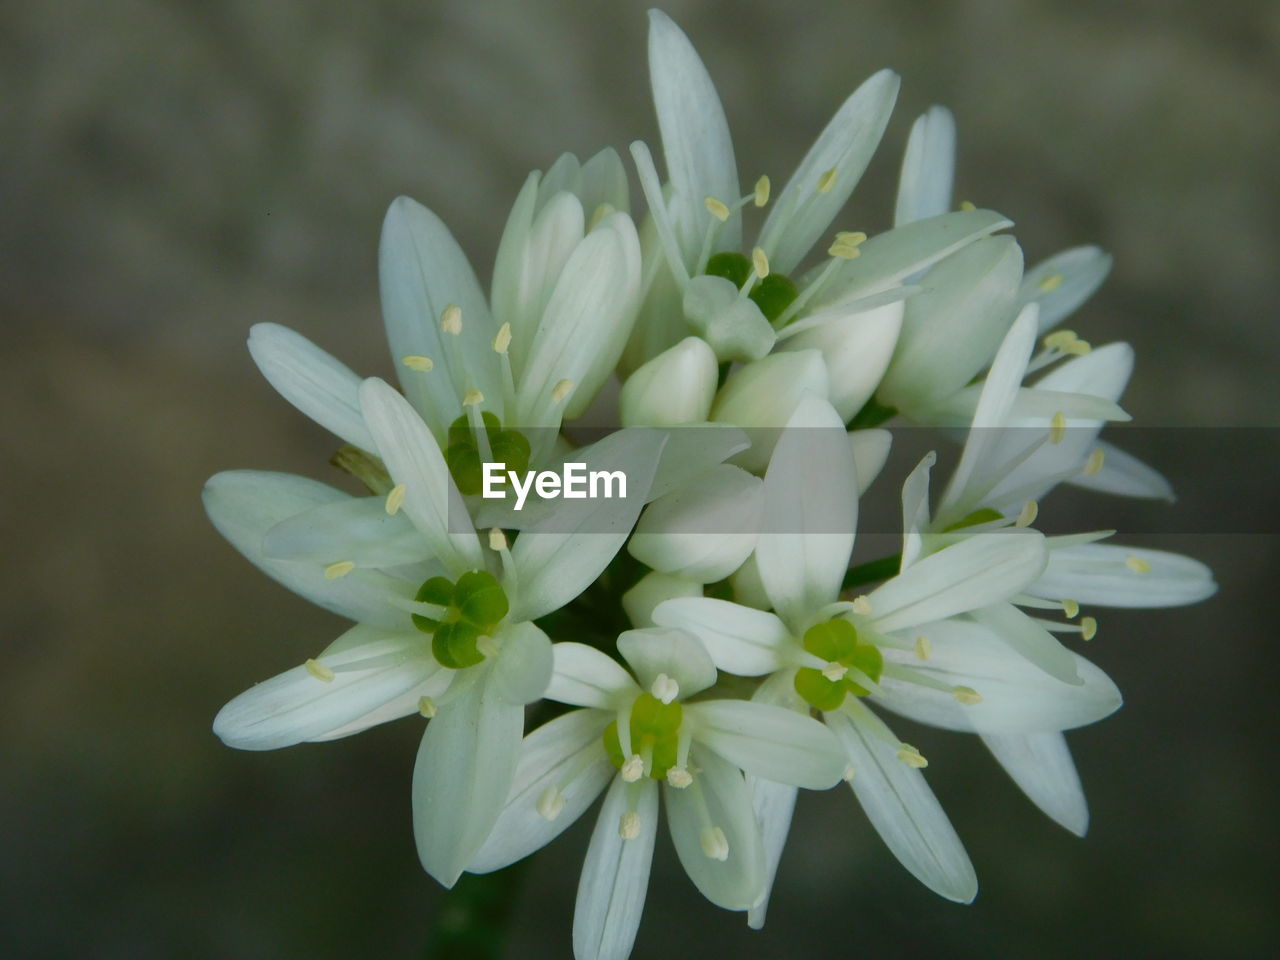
(836, 641)
(473, 609)
(772, 295)
(465, 459)
(655, 735)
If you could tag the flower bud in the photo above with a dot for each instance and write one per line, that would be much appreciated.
(653, 589)
(674, 388)
(765, 393)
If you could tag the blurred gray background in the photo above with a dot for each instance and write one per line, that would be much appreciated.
(172, 172)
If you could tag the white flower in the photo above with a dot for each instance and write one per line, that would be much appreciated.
(438, 631)
(631, 736)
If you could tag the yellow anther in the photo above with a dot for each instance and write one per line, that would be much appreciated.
(633, 769)
(550, 803)
(486, 645)
(911, 756)
(714, 843)
(923, 648)
(1137, 564)
(1051, 282)
(395, 499)
(601, 211)
(760, 261)
(427, 707)
(562, 390)
(417, 362)
(862, 605)
(834, 671)
(716, 208)
(827, 180)
(1088, 628)
(843, 251)
(335, 571)
(629, 825)
(967, 205)
(1057, 427)
(319, 671)
(762, 191)
(847, 776)
(1093, 466)
(679, 777)
(1027, 517)
(966, 695)
(1070, 608)
(852, 237)
(1060, 339)
(1078, 348)
(664, 688)
(502, 342)
(472, 398)
(451, 319)
(497, 540)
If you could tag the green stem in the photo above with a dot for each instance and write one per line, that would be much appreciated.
(471, 923)
(871, 571)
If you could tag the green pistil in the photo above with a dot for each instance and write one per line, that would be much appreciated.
(463, 456)
(772, 295)
(474, 607)
(836, 641)
(655, 731)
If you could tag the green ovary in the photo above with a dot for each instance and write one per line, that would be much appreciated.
(772, 295)
(655, 734)
(465, 461)
(836, 641)
(474, 607)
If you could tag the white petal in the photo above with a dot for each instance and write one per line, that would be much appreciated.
(737, 882)
(771, 742)
(810, 508)
(297, 706)
(801, 214)
(976, 572)
(765, 393)
(407, 704)
(422, 271)
(463, 777)
(695, 135)
(1021, 634)
(774, 804)
(915, 509)
(655, 588)
(1079, 272)
(615, 876)
(245, 504)
(870, 451)
(548, 757)
(585, 677)
(674, 388)
(1041, 765)
(358, 529)
(675, 653)
(691, 451)
(905, 813)
(740, 640)
(928, 167)
(312, 380)
(524, 664)
(1125, 475)
(1017, 696)
(559, 557)
(1099, 573)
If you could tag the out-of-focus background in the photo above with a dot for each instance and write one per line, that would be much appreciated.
(172, 172)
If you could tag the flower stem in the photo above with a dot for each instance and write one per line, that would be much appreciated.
(472, 922)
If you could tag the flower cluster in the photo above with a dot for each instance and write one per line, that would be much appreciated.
(712, 642)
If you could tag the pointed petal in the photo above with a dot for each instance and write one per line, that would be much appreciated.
(1100, 573)
(904, 811)
(771, 742)
(675, 653)
(870, 451)
(586, 677)
(915, 509)
(312, 380)
(774, 804)
(737, 881)
(524, 664)
(1125, 475)
(691, 451)
(1041, 765)
(928, 167)
(1063, 282)
(358, 529)
(407, 704)
(548, 758)
(1029, 640)
(740, 640)
(615, 876)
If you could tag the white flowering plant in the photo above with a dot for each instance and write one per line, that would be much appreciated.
(703, 636)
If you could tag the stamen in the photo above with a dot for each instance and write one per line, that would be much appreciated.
(665, 688)
(427, 707)
(319, 671)
(417, 362)
(1059, 339)
(1057, 427)
(472, 398)
(851, 237)
(451, 319)
(843, 251)
(1070, 608)
(629, 825)
(497, 540)
(475, 417)
(966, 695)
(650, 185)
(847, 776)
(395, 499)
(1088, 628)
(911, 756)
(550, 803)
(762, 190)
(827, 180)
(1137, 564)
(861, 605)
(502, 342)
(834, 671)
(923, 648)
(562, 390)
(1078, 348)
(967, 205)
(714, 843)
(1030, 510)
(716, 208)
(679, 777)
(336, 571)
(1051, 282)
(760, 261)
(633, 769)
(1093, 466)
